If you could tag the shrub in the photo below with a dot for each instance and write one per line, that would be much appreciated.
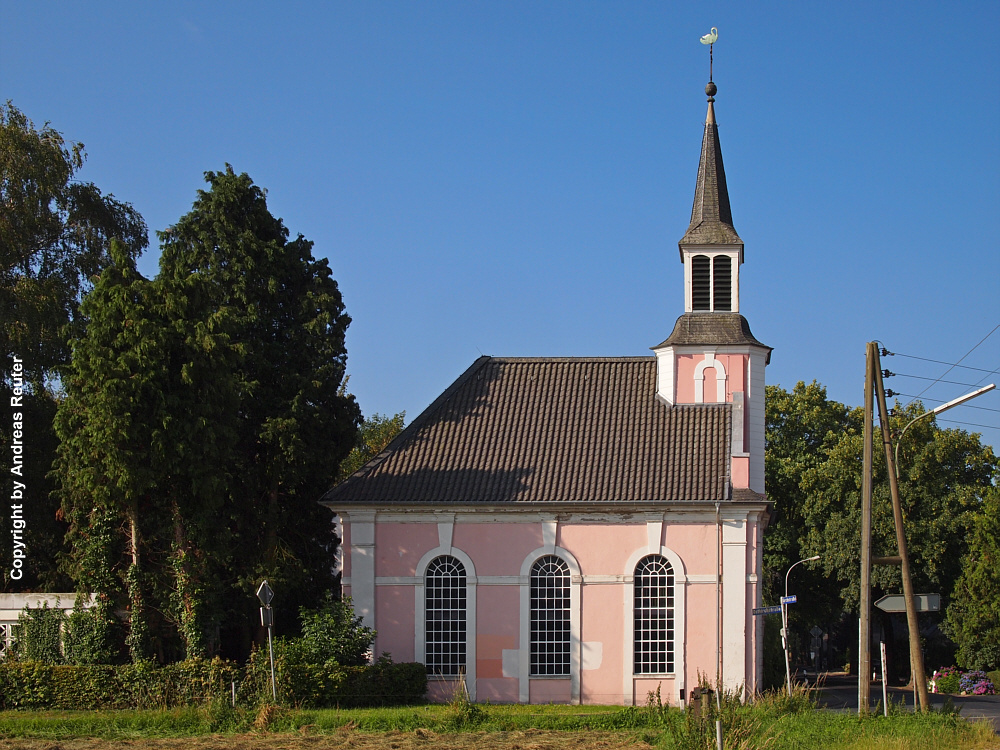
(947, 679)
(326, 685)
(90, 635)
(976, 683)
(33, 684)
(331, 633)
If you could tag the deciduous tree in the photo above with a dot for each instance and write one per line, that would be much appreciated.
(376, 432)
(974, 613)
(943, 474)
(813, 477)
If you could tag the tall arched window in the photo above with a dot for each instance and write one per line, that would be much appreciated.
(653, 643)
(550, 621)
(445, 617)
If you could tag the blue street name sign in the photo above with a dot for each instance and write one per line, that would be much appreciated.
(788, 599)
(767, 611)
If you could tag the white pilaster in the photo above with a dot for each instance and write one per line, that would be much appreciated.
(734, 601)
(363, 565)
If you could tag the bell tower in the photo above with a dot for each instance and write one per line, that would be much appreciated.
(711, 356)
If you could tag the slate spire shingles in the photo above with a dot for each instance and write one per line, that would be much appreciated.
(513, 430)
(711, 215)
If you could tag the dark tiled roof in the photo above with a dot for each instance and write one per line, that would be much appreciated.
(712, 329)
(551, 430)
(711, 215)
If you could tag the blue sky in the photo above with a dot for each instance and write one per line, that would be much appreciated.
(511, 178)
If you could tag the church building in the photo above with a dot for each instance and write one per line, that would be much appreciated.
(581, 530)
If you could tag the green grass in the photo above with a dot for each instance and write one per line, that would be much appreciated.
(773, 721)
(179, 722)
(825, 729)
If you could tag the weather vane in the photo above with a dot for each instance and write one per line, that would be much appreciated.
(710, 38)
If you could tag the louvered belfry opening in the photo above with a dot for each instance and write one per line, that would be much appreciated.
(722, 283)
(701, 283)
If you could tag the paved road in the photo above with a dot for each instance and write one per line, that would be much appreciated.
(840, 692)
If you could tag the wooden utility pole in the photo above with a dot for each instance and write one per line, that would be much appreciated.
(916, 652)
(865, 626)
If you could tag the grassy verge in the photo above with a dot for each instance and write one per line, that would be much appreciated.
(774, 722)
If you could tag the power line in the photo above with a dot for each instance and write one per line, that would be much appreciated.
(971, 424)
(940, 362)
(957, 364)
(936, 380)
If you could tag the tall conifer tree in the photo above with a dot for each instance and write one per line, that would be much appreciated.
(230, 259)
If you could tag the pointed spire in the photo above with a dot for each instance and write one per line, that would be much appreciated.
(711, 216)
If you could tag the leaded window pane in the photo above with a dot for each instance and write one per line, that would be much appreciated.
(445, 617)
(653, 641)
(550, 623)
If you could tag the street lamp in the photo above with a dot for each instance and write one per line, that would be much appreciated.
(784, 623)
(938, 410)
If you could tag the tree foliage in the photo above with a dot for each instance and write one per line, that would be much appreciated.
(375, 434)
(55, 235)
(228, 266)
(943, 474)
(204, 416)
(802, 428)
(814, 476)
(114, 444)
(974, 613)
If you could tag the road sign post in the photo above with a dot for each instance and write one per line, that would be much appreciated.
(266, 595)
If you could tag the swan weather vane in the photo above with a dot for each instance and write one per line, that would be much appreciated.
(710, 38)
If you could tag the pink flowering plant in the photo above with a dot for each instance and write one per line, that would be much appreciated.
(946, 680)
(976, 683)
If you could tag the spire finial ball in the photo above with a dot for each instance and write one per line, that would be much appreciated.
(711, 89)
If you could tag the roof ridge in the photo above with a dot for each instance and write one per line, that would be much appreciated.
(623, 358)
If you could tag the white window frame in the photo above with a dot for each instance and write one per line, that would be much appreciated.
(455, 581)
(557, 583)
(575, 654)
(640, 614)
(681, 583)
(734, 277)
(420, 604)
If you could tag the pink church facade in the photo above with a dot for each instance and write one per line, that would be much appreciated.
(581, 530)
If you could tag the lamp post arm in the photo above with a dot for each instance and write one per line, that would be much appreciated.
(808, 559)
(938, 410)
